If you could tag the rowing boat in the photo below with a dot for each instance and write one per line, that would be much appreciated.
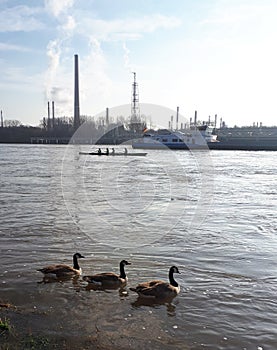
(114, 154)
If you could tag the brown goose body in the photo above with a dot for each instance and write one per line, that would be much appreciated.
(63, 270)
(109, 278)
(159, 289)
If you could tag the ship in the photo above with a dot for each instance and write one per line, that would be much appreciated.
(251, 138)
(193, 138)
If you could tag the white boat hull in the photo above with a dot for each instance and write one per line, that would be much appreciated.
(164, 139)
(169, 145)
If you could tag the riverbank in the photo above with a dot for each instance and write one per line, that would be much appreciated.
(35, 330)
(32, 330)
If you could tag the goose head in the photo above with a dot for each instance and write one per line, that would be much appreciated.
(174, 269)
(76, 266)
(122, 271)
(78, 255)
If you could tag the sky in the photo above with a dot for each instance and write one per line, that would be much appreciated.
(213, 56)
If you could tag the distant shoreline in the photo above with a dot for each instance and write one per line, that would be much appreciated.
(236, 138)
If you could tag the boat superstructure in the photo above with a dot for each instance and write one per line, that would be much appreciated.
(192, 138)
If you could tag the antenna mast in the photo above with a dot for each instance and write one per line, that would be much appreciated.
(135, 113)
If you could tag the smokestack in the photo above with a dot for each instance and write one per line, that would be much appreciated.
(76, 94)
(177, 118)
(107, 116)
(48, 119)
(53, 115)
(48, 106)
(195, 118)
(2, 121)
(215, 120)
(171, 122)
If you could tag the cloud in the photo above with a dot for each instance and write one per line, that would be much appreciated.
(232, 13)
(11, 47)
(20, 18)
(123, 29)
(57, 7)
(94, 65)
(69, 25)
(17, 79)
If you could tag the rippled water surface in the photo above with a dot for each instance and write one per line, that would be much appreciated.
(212, 214)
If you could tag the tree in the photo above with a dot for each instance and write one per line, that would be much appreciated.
(12, 123)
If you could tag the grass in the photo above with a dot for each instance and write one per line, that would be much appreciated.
(35, 342)
(28, 342)
(4, 325)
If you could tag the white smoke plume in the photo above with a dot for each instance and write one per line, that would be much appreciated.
(95, 66)
(53, 53)
(53, 90)
(126, 57)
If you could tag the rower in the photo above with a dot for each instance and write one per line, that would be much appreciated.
(107, 151)
(113, 151)
(125, 151)
(99, 151)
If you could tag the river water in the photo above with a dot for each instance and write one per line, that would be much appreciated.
(212, 214)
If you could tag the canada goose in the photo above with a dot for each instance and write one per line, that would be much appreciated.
(109, 278)
(62, 270)
(159, 289)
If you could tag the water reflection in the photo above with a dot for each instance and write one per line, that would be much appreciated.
(155, 303)
(122, 291)
(47, 279)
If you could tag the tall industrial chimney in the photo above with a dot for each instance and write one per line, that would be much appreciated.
(2, 121)
(76, 94)
(107, 116)
(48, 119)
(195, 118)
(53, 115)
(177, 118)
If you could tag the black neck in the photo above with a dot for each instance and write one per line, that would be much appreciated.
(75, 263)
(171, 279)
(122, 271)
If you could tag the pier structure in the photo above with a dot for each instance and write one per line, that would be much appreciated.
(50, 140)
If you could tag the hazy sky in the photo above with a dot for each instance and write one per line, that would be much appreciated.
(213, 56)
